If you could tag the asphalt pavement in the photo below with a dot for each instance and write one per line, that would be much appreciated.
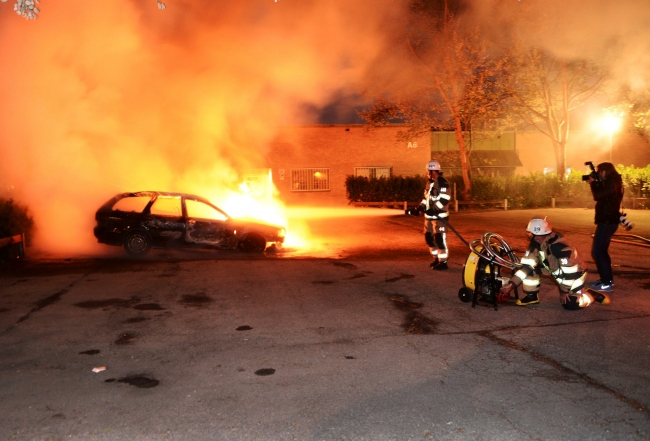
(350, 337)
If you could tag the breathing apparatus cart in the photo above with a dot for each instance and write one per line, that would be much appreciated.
(482, 272)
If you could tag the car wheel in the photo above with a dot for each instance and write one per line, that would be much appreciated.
(137, 243)
(252, 243)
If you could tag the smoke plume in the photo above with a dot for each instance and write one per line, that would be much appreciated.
(98, 98)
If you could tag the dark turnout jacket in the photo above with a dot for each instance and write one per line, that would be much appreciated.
(558, 257)
(608, 195)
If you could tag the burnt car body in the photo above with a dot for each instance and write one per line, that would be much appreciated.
(141, 220)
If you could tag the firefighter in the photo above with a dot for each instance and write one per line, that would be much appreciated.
(435, 206)
(550, 252)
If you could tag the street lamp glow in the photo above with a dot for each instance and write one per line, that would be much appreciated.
(611, 123)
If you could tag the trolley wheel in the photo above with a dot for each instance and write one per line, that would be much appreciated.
(465, 295)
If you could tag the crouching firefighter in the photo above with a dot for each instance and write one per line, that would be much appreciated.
(435, 208)
(549, 252)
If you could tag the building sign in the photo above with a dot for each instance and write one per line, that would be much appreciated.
(412, 145)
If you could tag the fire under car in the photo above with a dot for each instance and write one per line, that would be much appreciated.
(151, 219)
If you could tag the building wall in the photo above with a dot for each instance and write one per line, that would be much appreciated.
(536, 151)
(341, 148)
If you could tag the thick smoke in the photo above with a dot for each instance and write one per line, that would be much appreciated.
(98, 98)
(615, 34)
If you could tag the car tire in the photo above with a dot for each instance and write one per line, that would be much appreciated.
(252, 243)
(137, 243)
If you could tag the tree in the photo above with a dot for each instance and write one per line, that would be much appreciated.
(29, 10)
(455, 82)
(547, 88)
(636, 105)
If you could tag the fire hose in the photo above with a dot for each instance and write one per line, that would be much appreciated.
(644, 242)
(493, 248)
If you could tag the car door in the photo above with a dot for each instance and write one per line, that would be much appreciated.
(207, 225)
(164, 221)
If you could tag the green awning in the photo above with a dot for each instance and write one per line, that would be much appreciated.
(480, 159)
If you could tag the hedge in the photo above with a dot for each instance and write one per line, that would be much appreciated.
(532, 191)
(15, 219)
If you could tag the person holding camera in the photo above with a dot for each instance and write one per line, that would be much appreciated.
(435, 208)
(607, 190)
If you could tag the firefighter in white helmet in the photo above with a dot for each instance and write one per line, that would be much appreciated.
(549, 252)
(435, 207)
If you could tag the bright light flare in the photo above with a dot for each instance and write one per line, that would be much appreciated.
(611, 123)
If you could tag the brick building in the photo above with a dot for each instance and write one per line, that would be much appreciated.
(308, 164)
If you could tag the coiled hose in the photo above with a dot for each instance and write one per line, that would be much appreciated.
(494, 248)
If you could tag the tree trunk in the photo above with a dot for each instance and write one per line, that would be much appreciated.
(464, 160)
(559, 148)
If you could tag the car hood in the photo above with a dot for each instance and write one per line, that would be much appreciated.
(243, 226)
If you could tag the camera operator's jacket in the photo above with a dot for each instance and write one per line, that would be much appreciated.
(608, 195)
(436, 199)
(556, 256)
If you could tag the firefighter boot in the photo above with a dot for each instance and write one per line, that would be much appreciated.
(435, 262)
(530, 299)
(602, 298)
(441, 266)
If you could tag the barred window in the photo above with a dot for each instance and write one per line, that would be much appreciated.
(373, 172)
(310, 179)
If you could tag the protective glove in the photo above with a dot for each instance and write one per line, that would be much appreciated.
(432, 211)
(504, 293)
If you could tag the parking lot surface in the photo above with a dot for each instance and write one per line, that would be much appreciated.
(353, 337)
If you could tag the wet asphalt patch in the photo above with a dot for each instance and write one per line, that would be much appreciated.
(350, 357)
(196, 300)
(19, 281)
(400, 277)
(136, 320)
(244, 328)
(149, 307)
(108, 303)
(90, 352)
(323, 282)
(43, 303)
(141, 381)
(345, 265)
(357, 276)
(264, 372)
(125, 339)
(414, 322)
(4, 310)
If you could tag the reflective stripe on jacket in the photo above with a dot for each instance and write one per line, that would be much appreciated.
(558, 257)
(436, 199)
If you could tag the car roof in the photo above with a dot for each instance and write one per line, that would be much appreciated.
(109, 204)
(150, 193)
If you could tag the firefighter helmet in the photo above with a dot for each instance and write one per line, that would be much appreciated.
(433, 166)
(539, 227)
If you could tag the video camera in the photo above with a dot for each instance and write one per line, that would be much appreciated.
(593, 174)
(627, 224)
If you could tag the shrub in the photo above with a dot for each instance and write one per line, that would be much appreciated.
(15, 219)
(392, 189)
(532, 191)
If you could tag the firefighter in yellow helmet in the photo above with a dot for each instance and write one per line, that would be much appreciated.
(549, 252)
(435, 207)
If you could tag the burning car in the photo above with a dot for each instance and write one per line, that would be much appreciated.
(145, 219)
